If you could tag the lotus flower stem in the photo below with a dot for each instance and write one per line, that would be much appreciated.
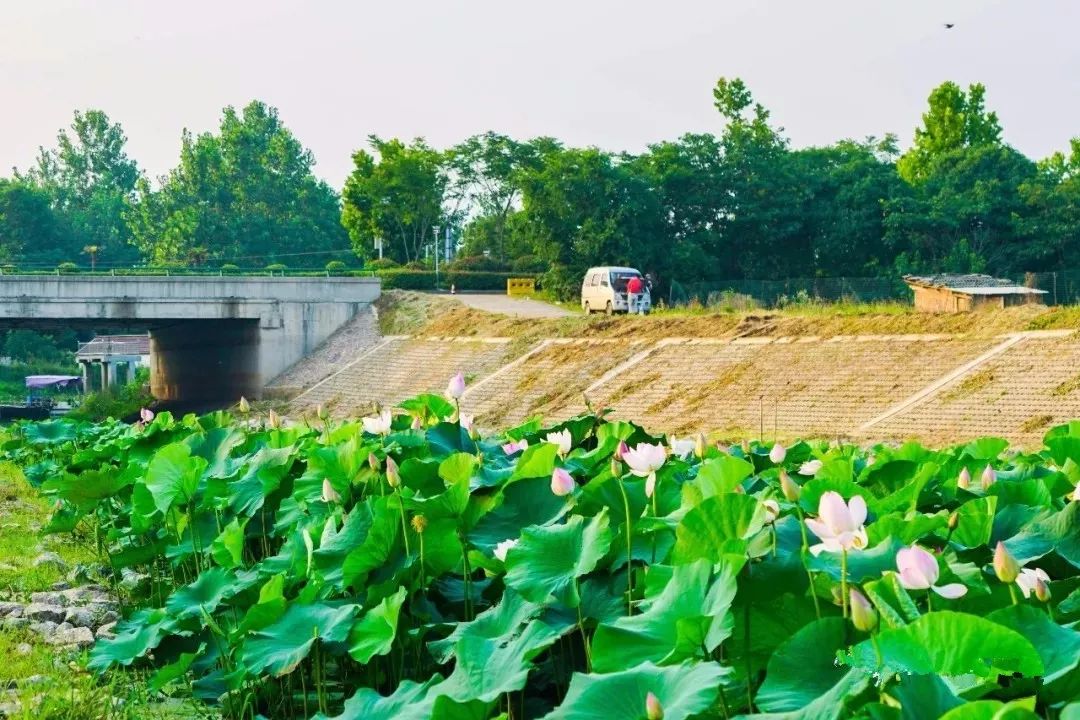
(1012, 594)
(746, 648)
(629, 551)
(843, 582)
(929, 602)
(809, 572)
(466, 570)
(877, 649)
(581, 629)
(404, 524)
(723, 704)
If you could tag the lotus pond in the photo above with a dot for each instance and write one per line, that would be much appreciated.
(402, 566)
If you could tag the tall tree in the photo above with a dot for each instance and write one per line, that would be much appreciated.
(954, 120)
(28, 223)
(91, 182)
(245, 195)
(396, 198)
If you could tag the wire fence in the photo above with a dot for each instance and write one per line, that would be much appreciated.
(1062, 288)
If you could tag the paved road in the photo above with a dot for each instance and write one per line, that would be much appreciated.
(518, 307)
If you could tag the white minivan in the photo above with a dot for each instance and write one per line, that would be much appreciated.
(604, 290)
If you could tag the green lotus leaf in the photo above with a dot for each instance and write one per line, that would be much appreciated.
(718, 476)
(948, 643)
(522, 503)
(379, 525)
(502, 619)
(804, 669)
(975, 522)
(204, 595)
(173, 476)
(548, 560)
(214, 446)
(683, 691)
(49, 432)
(861, 564)
(428, 405)
(174, 670)
(720, 524)
(373, 634)
(994, 710)
(262, 475)
(692, 612)
(280, 647)
(1058, 647)
(87, 488)
(537, 461)
(135, 637)
(228, 547)
(924, 696)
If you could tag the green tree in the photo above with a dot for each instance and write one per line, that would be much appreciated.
(90, 181)
(245, 195)
(1049, 225)
(396, 197)
(954, 120)
(28, 222)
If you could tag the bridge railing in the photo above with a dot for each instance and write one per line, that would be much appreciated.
(180, 272)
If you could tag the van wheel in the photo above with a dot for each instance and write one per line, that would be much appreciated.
(608, 310)
(588, 310)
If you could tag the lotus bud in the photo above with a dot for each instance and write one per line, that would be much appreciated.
(273, 419)
(456, 388)
(954, 521)
(621, 450)
(964, 480)
(772, 511)
(777, 453)
(146, 415)
(1005, 566)
(989, 477)
(701, 445)
(562, 483)
(419, 524)
(320, 412)
(789, 487)
(243, 406)
(1042, 590)
(616, 467)
(416, 424)
(745, 447)
(393, 477)
(863, 614)
(650, 485)
(653, 709)
(837, 596)
(373, 462)
(329, 494)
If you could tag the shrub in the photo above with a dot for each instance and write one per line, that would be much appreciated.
(477, 263)
(335, 266)
(381, 264)
(425, 280)
(528, 264)
(67, 267)
(277, 267)
(229, 267)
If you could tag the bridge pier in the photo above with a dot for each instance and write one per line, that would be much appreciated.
(201, 361)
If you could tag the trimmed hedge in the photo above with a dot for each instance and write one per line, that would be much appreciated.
(425, 279)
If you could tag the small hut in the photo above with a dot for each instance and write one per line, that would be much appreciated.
(950, 292)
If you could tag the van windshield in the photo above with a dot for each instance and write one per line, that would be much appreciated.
(619, 280)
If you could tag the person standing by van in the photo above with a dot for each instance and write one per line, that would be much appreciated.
(634, 286)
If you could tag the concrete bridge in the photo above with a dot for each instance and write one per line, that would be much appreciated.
(211, 338)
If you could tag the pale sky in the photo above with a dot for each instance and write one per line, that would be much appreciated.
(619, 74)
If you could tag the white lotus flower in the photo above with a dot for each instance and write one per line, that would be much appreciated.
(502, 548)
(1029, 580)
(563, 439)
(644, 460)
(456, 387)
(839, 525)
(378, 424)
(919, 571)
(810, 467)
(772, 511)
(683, 448)
(777, 453)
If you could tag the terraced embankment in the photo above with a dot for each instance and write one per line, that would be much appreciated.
(785, 374)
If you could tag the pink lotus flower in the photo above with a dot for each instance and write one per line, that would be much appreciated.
(777, 453)
(919, 571)
(653, 709)
(1034, 580)
(393, 475)
(562, 439)
(329, 494)
(964, 480)
(810, 467)
(502, 548)
(1005, 566)
(562, 482)
(378, 424)
(621, 450)
(989, 477)
(512, 448)
(839, 525)
(456, 387)
(146, 415)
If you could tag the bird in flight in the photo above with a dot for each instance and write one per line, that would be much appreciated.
(949, 26)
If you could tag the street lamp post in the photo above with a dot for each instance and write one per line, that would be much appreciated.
(435, 231)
